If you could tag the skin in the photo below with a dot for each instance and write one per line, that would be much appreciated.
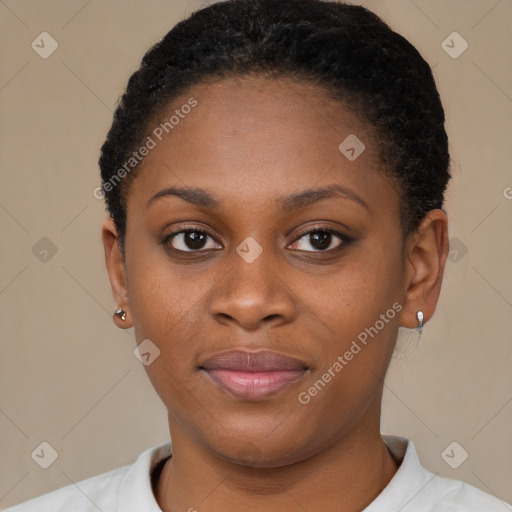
(249, 142)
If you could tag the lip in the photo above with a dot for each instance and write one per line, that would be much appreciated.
(253, 376)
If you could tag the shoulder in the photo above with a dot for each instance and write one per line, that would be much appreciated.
(123, 489)
(94, 493)
(415, 489)
(449, 495)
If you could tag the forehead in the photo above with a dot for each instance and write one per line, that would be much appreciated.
(252, 139)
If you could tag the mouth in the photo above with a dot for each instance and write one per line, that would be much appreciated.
(253, 376)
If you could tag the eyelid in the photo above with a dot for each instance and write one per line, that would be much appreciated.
(316, 228)
(344, 239)
(184, 228)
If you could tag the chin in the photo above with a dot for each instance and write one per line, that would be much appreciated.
(264, 447)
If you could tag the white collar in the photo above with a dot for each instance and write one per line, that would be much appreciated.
(412, 489)
(409, 480)
(136, 491)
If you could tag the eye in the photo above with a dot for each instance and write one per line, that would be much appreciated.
(322, 239)
(192, 239)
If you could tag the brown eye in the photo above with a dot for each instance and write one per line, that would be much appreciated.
(321, 240)
(190, 240)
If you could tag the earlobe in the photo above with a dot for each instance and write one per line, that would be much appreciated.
(427, 252)
(116, 271)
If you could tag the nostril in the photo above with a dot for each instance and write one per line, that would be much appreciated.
(224, 316)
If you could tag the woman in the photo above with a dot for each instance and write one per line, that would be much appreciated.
(275, 178)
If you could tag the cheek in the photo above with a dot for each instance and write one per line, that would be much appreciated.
(353, 296)
(360, 305)
(162, 312)
(168, 306)
(161, 294)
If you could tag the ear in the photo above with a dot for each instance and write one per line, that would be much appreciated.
(426, 254)
(116, 270)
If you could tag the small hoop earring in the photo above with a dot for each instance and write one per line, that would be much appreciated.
(419, 316)
(120, 313)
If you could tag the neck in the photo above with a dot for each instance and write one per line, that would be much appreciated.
(347, 475)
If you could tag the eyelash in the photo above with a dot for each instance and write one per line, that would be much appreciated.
(344, 239)
(186, 229)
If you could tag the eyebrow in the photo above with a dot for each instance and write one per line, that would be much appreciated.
(196, 196)
(296, 201)
(307, 197)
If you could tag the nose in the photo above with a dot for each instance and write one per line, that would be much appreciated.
(253, 295)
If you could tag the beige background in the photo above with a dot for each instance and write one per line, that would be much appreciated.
(68, 376)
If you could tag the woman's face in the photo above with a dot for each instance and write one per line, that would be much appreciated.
(258, 163)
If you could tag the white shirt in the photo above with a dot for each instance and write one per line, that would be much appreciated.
(128, 489)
